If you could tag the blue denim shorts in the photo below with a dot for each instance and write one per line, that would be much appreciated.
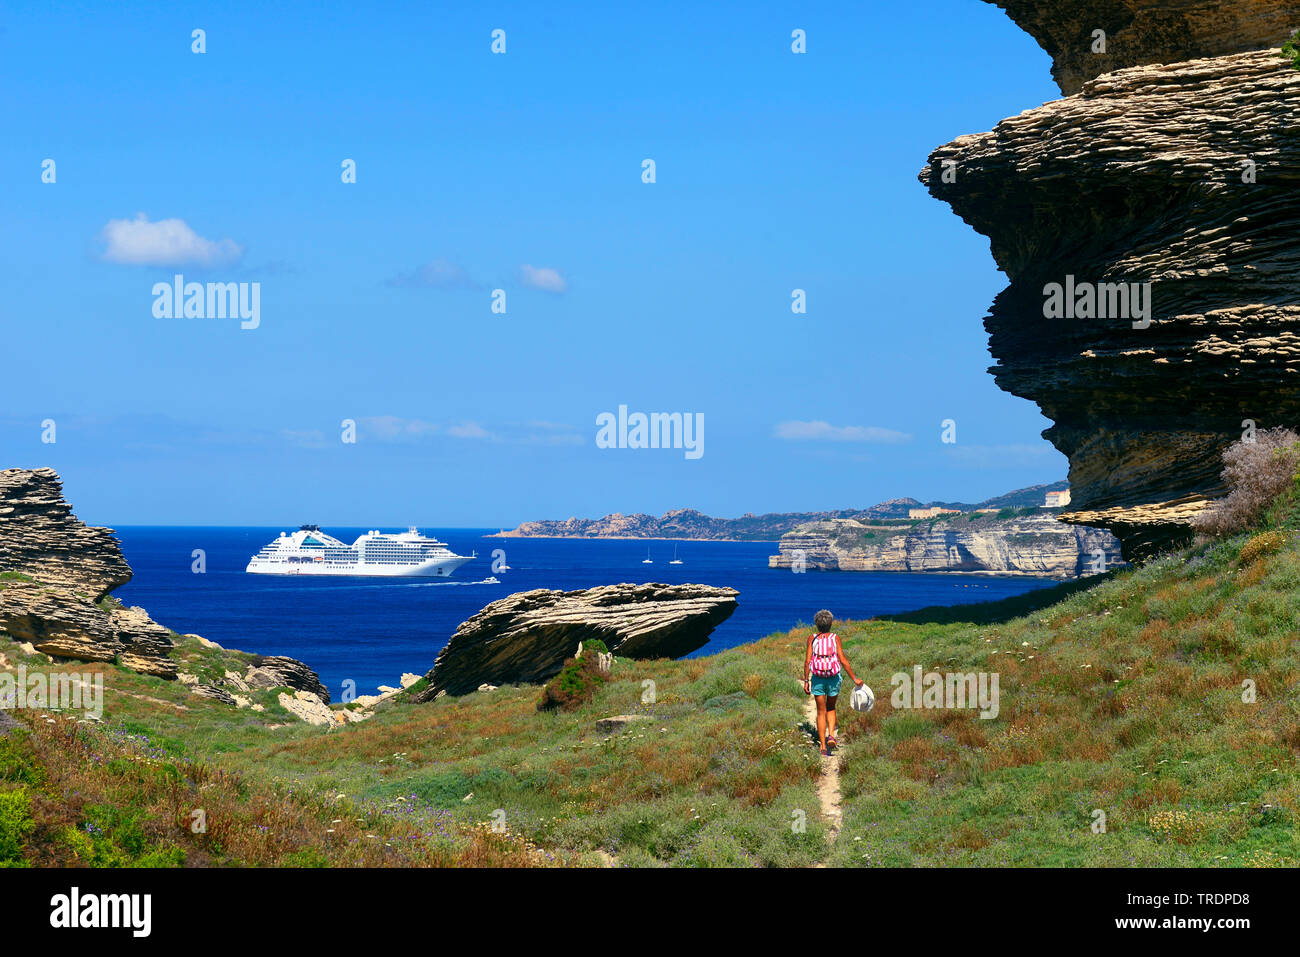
(828, 685)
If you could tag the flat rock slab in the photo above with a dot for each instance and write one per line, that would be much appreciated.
(525, 638)
(619, 722)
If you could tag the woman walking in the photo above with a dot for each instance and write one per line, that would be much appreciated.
(822, 660)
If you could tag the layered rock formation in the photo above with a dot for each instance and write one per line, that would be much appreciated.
(59, 572)
(1140, 32)
(39, 536)
(55, 576)
(1181, 175)
(60, 622)
(525, 637)
(1037, 545)
(277, 671)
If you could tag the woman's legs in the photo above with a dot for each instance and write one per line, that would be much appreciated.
(821, 720)
(830, 714)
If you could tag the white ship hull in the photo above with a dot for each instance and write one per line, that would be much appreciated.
(309, 551)
(432, 569)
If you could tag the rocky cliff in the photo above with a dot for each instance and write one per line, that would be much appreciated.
(40, 537)
(55, 574)
(1039, 545)
(1169, 173)
(1140, 32)
(525, 637)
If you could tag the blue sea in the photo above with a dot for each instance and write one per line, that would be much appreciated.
(373, 630)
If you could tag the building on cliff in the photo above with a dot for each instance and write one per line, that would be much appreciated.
(933, 512)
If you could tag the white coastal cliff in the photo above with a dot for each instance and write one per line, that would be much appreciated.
(1035, 544)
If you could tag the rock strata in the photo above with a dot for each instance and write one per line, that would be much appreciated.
(309, 707)
(41, 538)
(280, 672)
(61, 623)
(1038, 545)
(1174, 180)
(57, 573)
(1142, 32)
(214, 693)
(525, 637)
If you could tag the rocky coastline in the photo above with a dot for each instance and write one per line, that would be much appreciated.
(1036, 545)
(57, 575)
(688, 524)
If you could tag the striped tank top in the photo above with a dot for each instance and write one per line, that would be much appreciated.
(825, 654)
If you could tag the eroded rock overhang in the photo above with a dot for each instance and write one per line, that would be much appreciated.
(1180, 181)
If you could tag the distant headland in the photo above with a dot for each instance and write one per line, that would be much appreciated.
(690, 524)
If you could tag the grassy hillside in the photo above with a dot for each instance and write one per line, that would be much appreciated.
(1124, 697)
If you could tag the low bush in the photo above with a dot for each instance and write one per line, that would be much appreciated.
(15, 824)
(1265, 543)
(1256, 473)
(574, 686)
(1291, 49)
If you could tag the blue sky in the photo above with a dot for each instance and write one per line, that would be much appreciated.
(522, 171)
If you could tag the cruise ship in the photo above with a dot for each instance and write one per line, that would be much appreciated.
(309, 551)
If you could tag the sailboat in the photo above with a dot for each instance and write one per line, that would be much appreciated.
(647, 560)
(676, 560)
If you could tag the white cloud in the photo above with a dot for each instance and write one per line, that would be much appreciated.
(439, 274)
(542, 277)
(825, 432)
(539, 432)
(393, 428)
(469, 430)
(396, 429)
(168, 242)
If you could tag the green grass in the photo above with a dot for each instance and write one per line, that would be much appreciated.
(1125, 697)
(1120, 694)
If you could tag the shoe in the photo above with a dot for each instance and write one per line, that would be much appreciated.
(831, 742)
(826, 754)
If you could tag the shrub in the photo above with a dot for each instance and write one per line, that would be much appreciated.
(1256, 474)
(1291, 49)
(574, 686)
(1265, 543)
(15, 824)
(1185, 827)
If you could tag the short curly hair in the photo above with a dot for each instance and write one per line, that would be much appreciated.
(823, 620)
